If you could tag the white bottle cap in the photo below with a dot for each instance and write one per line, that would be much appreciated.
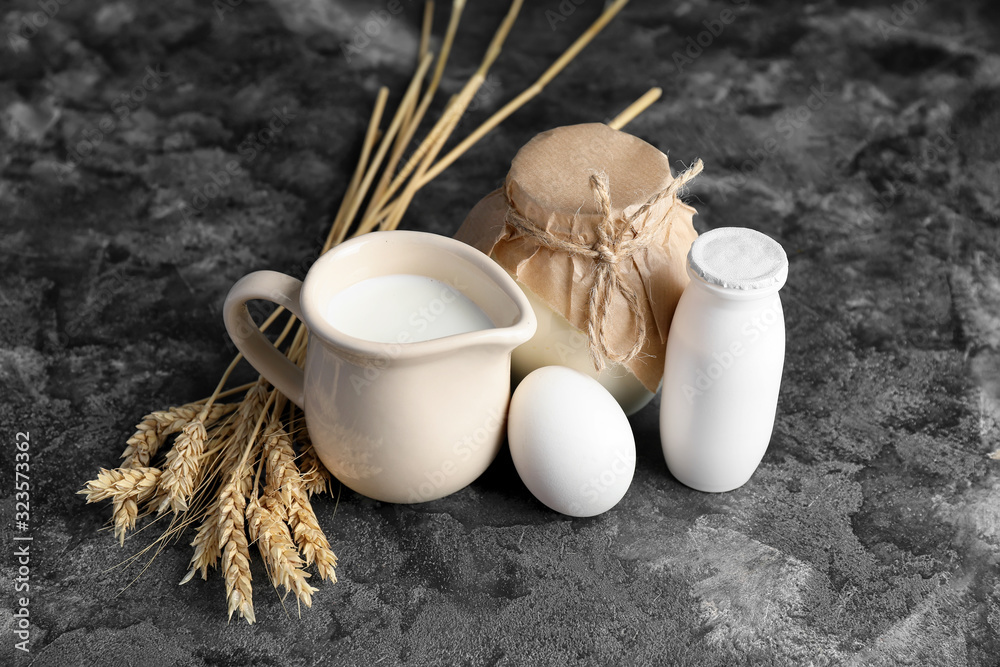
(738, 258)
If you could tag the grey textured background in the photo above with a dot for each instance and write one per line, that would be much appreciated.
(864, 136)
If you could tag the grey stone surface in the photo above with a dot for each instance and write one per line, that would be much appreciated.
(863, 136)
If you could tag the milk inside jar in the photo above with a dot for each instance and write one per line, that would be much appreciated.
(724, 358)
(404, 308)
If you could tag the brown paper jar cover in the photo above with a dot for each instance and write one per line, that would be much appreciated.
(549, 184)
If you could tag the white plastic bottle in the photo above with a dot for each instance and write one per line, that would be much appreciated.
(725, 352)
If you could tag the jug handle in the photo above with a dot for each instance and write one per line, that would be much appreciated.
(258, 350)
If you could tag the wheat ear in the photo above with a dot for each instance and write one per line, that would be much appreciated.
(278, 551)
(285, 483)
(282, 474)
(126, 488)
(310, 537)
(154, 428)
(183, 469)
(207, 548)
(315, 476)
(233, 540)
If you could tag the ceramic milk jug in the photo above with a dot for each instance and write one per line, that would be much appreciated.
(405, 397)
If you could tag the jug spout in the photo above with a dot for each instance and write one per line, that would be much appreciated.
(400, 253)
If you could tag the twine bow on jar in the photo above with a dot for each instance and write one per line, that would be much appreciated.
(609, 251)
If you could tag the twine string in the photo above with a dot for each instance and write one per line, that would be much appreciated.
(610, 251)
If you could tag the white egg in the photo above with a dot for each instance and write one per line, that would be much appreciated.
(571, 442)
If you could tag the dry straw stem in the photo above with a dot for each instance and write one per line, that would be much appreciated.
(408, 98)
(436, 140)
(422, 51)
(609, 13)
(348, 205)
(425, 30)
(382, 192)
(440, 131)
(636, 108)
(341, 223)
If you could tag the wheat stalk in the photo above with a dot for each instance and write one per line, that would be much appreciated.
(233, 540)
(247, 416)
(282, 474)
(118, 482)
(126, 487)
(207, 547)
(315, 476)
(285, 485)
(284, 566)
(310, 538)
(527, 95)
(206, 542)
(183, 465)
(152, 431)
